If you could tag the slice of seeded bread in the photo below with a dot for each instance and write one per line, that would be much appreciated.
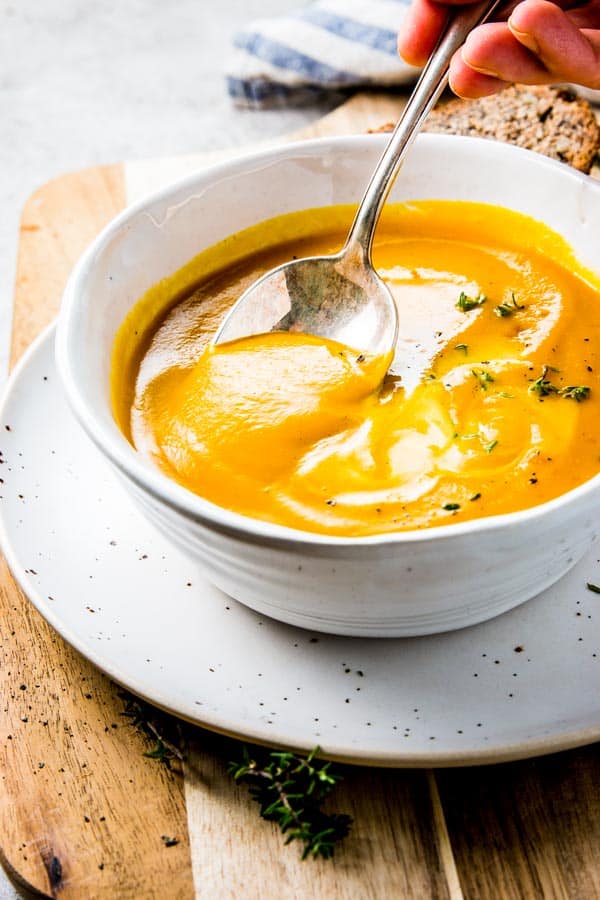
(552, 121)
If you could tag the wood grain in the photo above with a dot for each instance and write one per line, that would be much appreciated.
(362, 112)
(527, 830)
(59, 220)
(393, 850)
(82, 811)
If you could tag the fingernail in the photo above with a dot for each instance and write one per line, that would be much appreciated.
(480, 69)
(524, 38)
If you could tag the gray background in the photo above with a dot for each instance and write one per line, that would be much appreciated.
(84, 82)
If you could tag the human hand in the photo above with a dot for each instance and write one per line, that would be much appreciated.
(540, 42)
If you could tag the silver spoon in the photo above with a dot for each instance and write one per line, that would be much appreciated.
(341, 297)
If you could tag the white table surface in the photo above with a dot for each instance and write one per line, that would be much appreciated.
(84, 83)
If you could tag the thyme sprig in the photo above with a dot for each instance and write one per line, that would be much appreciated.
(157, 726)
(291, 790)
(576, 392)
(508, 308)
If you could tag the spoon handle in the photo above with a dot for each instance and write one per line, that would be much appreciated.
(428, 89)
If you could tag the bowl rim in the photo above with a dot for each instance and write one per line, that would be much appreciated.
(247, 529)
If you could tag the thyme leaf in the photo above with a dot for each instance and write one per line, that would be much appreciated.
(577, 392)
(507, 309)
(542, 386)
(484, 378)
(466, 303)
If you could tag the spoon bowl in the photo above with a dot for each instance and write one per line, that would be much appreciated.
(336, 297)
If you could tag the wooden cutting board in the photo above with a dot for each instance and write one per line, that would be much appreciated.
(84, 814)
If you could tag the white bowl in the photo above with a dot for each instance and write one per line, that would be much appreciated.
(389, 585)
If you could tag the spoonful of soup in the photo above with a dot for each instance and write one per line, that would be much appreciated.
(341, 297)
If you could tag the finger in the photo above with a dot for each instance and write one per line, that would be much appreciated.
(420, 31)
(425, 21)
(493, 50)
(567, 52)
(466, 82)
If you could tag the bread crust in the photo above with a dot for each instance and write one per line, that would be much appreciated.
(553, 121)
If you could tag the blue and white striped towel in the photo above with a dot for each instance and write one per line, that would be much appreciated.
(328, 45)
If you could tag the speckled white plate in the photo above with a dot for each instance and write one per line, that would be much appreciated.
(525, 683)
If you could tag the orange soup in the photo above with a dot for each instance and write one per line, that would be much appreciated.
(490, 405)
